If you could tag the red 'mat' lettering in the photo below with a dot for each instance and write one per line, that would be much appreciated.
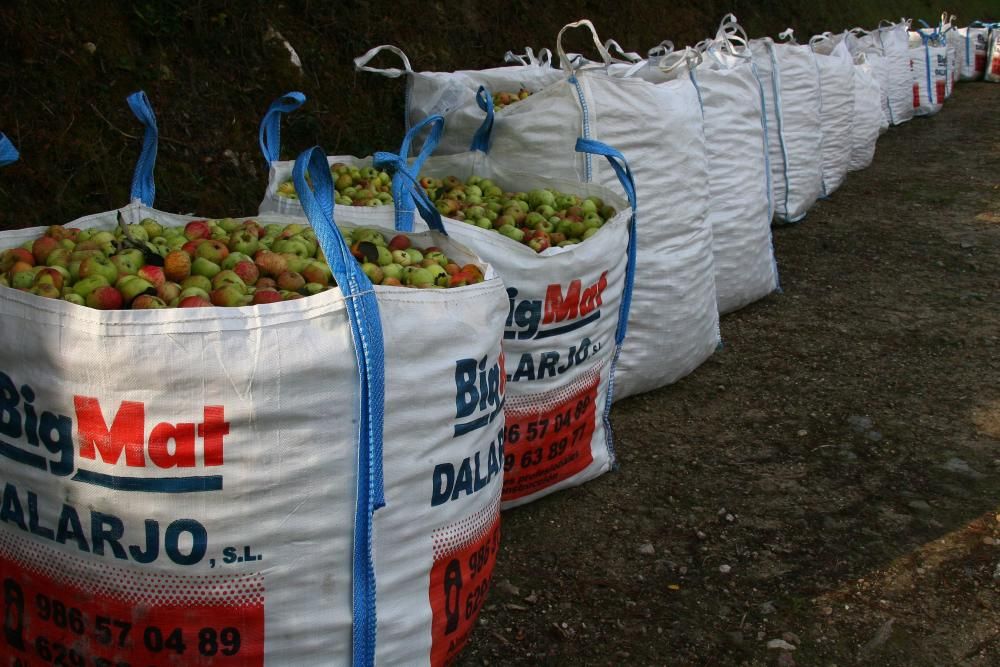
(212, 429)
(183, 437)
(558, 308)
(127, 431)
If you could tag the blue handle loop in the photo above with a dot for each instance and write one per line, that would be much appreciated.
(143, 185)
(481, 139)
(270, 124)
(369, 351)
(407, 193)
(624, 173)
(8, 153)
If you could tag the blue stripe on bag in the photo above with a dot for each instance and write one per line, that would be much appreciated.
(881, 42)
(481, 139)
(270, 124)
(143, 186)
(588, 175)
(8, 153)
(776, 89)
(369, 351)
(624, 173)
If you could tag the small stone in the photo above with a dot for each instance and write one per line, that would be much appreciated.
(767, 608)
(996, 572)
(989, 541)
(803, 432)
(919, 505)
(724, 569)
(785, 659)
(90, 47)
(826, 611)
(647, 549)
(961, 467)
(874, 436)
(780, 644)
(504, 586)
(791, 638)
(859, 423)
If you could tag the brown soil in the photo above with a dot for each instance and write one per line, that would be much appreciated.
(833, 472)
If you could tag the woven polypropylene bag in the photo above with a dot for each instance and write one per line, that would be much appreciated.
(868, 119)
(200, 483)
(930, 78)
(792, 100)
(673, 321)
(893, 42)
(453, 94)
(972, 41)
(836, 78)
(992, 68)
(566, 322)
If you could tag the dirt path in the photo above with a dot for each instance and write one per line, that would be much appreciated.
(833, 473)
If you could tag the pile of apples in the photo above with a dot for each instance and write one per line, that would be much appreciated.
(502, 99)
(355, 186)
(539, 219)
(222, 262)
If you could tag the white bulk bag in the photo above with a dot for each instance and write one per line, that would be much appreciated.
(930, 72)
(972, 50)
(208, 477)
(992, 69)
(453, 94)
(868, 119)
(740, 202)
(894, 43)
(865, 47)
(673, 321)
(836, 79)
(566, 322)
(739, 175)
(791, 91)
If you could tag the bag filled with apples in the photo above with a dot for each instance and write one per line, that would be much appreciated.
(307, 482)
(836, 84)
(929, 55)
(453, 94)
(740, 197)
(869, 121)
(992, 65)
(790, 80)
(566, 253)
(357, 183)
(562, 249)
(673, 321)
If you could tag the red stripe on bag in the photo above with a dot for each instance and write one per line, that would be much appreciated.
(544, 447)
(459, 582)
(55, 622)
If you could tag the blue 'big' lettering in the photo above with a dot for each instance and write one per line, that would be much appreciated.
(478, 394)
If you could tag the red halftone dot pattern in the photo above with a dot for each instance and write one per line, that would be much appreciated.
(150, 588)
(525, 405)
(471, 529)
